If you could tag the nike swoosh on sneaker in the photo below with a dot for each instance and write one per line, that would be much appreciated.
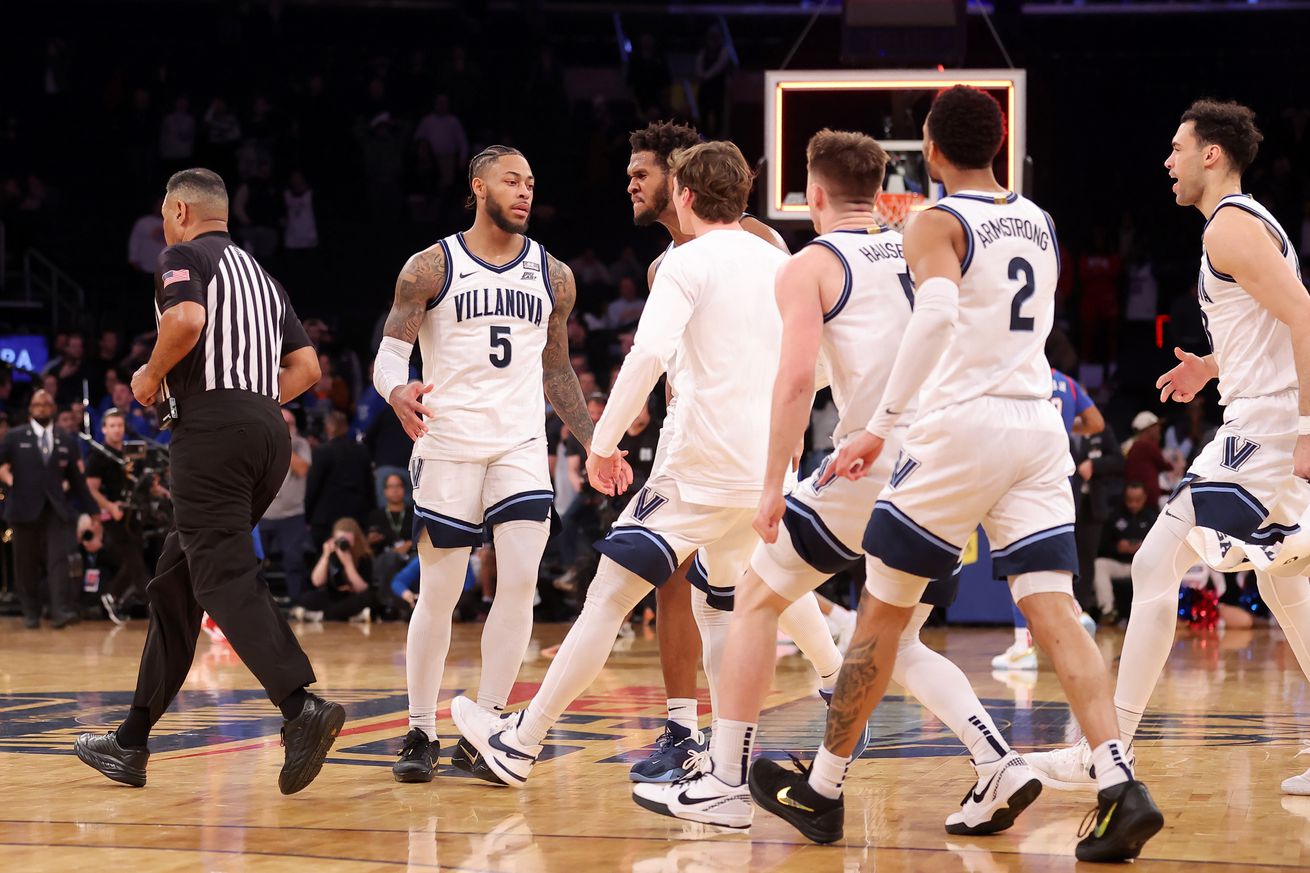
(514, 754)
(687, 799)
(979, 796)
(1105, 822)
(785, 798)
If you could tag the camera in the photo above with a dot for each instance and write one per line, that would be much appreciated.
(342, 543)
(88, 536)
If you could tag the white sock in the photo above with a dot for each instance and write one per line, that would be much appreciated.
(1158, 570)
(713, 626)
(586, 648)
(505, 636)
(1111, 765)
(683, 712)
(944, 690)
(1022, 638)
(427, 640)
(828, 772)
(803, 621)
(730, 749)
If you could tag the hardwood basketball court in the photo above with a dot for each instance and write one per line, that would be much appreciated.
(1228, 718)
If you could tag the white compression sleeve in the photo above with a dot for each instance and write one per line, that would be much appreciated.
(441, 580)
(391, 367)
(505, 636)
(936, 309)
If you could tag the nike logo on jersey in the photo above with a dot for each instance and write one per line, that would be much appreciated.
(785, 798)
(466, 275)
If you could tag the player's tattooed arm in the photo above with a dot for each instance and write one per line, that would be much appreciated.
(561, 383)
(420, 281)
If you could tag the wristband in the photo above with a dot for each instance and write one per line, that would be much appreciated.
(1303, 425)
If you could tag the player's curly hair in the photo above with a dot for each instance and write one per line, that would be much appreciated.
(851, 164)
(481, 162)
(663, 138)
(717, 173)
(968, 126)
(1229, 125)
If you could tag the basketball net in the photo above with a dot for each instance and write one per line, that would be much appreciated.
(895, 210)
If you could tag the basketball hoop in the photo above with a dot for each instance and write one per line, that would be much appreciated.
(895, 210)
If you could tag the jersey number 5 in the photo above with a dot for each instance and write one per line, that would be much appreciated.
(500, 342)
(1021, 268)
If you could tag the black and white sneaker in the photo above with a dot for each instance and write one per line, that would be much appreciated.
(1125, 817)
(788, 795)
(494, 739)
(113, 609)
(699, 796)
(1005, 788)
(418, 758)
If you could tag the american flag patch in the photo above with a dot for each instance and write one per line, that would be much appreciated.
(176, 276)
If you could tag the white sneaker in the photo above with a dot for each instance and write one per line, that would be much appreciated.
(841, 622)
(1067, 769)
(1017, 657)
(1298, 784)
(1088, 623)
(1005, 788)
(297, 613)
(700, 797)
(364, 616)
(494, 737)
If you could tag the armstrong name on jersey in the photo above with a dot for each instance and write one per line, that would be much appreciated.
(994, 229)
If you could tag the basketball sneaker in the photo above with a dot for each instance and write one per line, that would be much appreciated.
(673, 750)
(788, 795)
(1125, 817)
(468, 759)
(418, 758)
(1017, 657)
(1088, 623)
(306, 739)
(495, 739)
(1006, 787)
(1070, 768)
(699, 796)
(865, 738)
(113, 609)
(1298, 784)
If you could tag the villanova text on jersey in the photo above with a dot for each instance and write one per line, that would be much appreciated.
(499, 303)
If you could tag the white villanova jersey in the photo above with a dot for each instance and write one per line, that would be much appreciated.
(1007, 302)
(863, 329)
(481, 341)
(727, 357)
(1252, 348)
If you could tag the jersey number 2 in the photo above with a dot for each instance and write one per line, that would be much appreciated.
(500, 342)
(1021, 268)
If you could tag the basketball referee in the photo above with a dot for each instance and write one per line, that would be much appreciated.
(230, 349)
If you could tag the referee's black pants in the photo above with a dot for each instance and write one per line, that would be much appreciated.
(230, 454)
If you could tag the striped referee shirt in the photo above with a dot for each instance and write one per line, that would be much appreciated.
(249, 323)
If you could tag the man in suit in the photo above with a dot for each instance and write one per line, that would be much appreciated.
(44, 464)
(340, 480)
(1098, 490)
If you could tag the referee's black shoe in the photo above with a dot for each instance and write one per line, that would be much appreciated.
(307, 739)
(788, 795)
(103, 752)
(1124, 819)
(466, 757)
(417, 759)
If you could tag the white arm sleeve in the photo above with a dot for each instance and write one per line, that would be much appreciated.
(936, 310)
(659, 332)
(391, 366)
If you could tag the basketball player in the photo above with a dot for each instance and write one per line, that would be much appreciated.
(987, 446)
(489, 308)
(711, 307)
(1248, 483)
(845, 298)
(680, 625)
